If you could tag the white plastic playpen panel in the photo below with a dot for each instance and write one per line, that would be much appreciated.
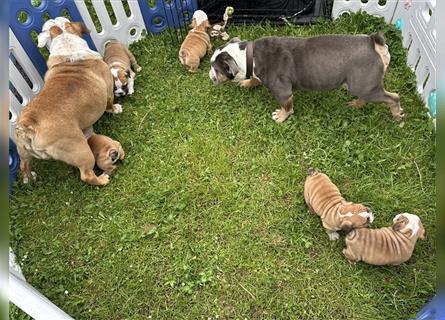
(416, 23)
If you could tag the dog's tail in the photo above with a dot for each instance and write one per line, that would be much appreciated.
(378, 38)
(183, 56)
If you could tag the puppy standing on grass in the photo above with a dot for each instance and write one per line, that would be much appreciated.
(197, 43)
(324, 199)
(123, 66)
(385, 246)
(106, 152)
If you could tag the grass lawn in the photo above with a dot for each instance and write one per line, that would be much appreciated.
(206, 219)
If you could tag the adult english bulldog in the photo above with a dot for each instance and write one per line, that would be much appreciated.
(284, 64)
(325, 200)
(385, 246)
(78, 89)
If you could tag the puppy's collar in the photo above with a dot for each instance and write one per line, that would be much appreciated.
(249, 59)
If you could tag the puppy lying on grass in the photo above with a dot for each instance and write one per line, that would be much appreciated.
(385, 246)
(197, 43)
(123, 66)
(106, 152)
(324, 199)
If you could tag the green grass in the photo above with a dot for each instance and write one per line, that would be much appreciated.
(206, 218)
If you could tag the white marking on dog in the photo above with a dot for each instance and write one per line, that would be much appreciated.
(333, 236)
(72, 47)
(367, 215)
(44, 38)
(200, 17)
(114, 71)
(413, 222)
(234, 50)
(117, 108)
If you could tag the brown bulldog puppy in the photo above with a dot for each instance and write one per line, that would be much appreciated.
(324, 199)
(385, 246)
(106, 152)
(123, 66)
(75, 95)
(197, 43)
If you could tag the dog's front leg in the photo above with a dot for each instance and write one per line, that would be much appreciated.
(250, 83)
(282, 91)
(287, 109)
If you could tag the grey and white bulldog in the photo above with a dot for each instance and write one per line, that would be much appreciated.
(285, 64)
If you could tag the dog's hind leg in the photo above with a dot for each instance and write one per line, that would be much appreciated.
(26, 165)
(76, 152)
(134, 64)
(390, 98)
(350, 256)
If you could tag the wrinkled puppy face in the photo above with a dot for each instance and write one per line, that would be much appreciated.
(108, 157)
(121, 78)
(355, 216)
(223, 64)
(409, 224)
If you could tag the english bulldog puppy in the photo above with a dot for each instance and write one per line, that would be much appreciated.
(78, 89)
(385, 246)
(324, 199)
(197, 43)
(106, 152)
(285, 64)
(123, 66)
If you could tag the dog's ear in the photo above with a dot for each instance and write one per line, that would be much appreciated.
(400, 223)
(346, 226)
(193, 24)
(77, 27)
(45, 36)
(422, 232)
(231, 68)
(114, 155)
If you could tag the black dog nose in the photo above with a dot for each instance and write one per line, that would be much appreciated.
(114, 155)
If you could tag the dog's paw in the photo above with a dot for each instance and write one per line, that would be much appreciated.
(245, 83)
(130, 91)
(117, 108)
(333, 236)
(280, 115)
(26, 177)
(399, 115)
(138, 69)
(356, 103)
(104, 179)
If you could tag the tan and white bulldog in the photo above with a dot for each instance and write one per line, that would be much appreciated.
(78, 89)
(106, 152)
(123, 66)
(324, 199)
(197, 43)
(385, 246)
